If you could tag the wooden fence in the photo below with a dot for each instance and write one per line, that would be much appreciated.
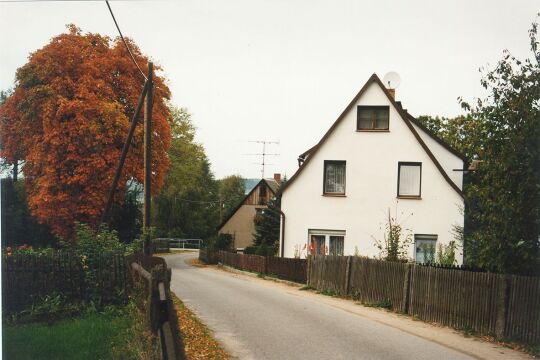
(494, 304)
(208, 256)
(28, 277)
(152, 278)
(373, 281)
(328, 273)
(253, 263)
(286, 269)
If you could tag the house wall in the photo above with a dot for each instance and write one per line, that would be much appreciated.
(371, 187)
(255, 198)
(448, 161)
(241, 226)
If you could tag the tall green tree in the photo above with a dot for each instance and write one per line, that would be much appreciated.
(267, 225)
(18, 225)
(461, 132)
(188, 204)
(503, 195)
(126, 217)
(232, 190)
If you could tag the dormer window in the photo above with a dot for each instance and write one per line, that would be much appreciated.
(372, 118)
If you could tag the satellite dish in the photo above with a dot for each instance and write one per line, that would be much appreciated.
(392, 80)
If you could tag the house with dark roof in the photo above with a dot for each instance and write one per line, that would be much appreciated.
(376, 161)
(240, 222)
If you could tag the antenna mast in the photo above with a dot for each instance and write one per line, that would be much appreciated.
(264, 154)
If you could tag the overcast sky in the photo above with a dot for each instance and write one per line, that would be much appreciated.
(283, 70)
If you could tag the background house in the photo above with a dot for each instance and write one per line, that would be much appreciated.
(376, 159)
(240, 223)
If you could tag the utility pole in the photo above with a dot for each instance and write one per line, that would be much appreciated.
(148, 160)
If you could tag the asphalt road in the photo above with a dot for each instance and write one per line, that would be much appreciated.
(259, 319)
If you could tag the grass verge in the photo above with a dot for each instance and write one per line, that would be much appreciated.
(88, 337)
(198, 340)
(115, 333)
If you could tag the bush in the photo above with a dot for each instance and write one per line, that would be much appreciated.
(250, 250)
(262, 250)
(91, 246)
(218, 242)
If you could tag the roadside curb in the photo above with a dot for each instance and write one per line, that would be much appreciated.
(254, 275)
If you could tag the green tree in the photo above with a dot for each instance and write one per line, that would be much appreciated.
(267, 225)
(126, 217)
(188, 204)
(232, 191)
(504, 197)
(18, 225)
(461, 132)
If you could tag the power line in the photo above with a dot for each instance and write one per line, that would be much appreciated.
(124, 41)
(23, 1)
(41, 1)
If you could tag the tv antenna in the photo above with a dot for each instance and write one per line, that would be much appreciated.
(263, 154)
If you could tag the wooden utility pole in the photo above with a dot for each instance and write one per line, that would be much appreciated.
(148, 159)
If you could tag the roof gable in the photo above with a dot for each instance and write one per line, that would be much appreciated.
(403, 114)
(272, 185)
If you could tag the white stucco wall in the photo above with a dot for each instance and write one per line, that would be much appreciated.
(371, 187)
(448, 161)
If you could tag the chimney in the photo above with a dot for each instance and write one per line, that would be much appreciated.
(392, 93)
(277, 178)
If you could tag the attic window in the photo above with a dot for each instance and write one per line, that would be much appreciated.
(372, 118)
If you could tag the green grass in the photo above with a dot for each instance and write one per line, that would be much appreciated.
(91, 336)
(385, 304)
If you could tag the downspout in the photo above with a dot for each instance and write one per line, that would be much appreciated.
(282, 233)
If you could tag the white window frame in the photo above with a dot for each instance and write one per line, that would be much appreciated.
(425, 237)
(327, 234)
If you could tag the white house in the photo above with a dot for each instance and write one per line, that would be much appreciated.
(376, 158)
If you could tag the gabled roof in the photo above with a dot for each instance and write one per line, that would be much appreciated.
(405, 116)
(272, 185)
(306, 153)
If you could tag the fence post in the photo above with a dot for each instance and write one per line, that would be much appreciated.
(502, 305)
(308, 270)
(265, 265)
(407, 289)
(348, 274)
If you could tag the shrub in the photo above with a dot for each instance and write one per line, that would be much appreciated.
(219, 242)
(250, 250)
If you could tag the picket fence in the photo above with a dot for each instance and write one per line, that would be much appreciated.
(283, 268)
(506, 306)
(27, 278)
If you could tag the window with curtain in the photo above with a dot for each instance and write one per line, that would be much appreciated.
(334, 177)
(425, 248)
(326, 242)
(336, 245)
(317, 244)
(409, 179)
(372, 117)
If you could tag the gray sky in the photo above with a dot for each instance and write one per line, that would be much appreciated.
(284, 70)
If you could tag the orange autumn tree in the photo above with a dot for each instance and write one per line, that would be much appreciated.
(67, 120)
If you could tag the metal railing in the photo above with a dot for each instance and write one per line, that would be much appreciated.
(176, 243)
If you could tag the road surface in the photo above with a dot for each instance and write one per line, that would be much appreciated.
(261, 319)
